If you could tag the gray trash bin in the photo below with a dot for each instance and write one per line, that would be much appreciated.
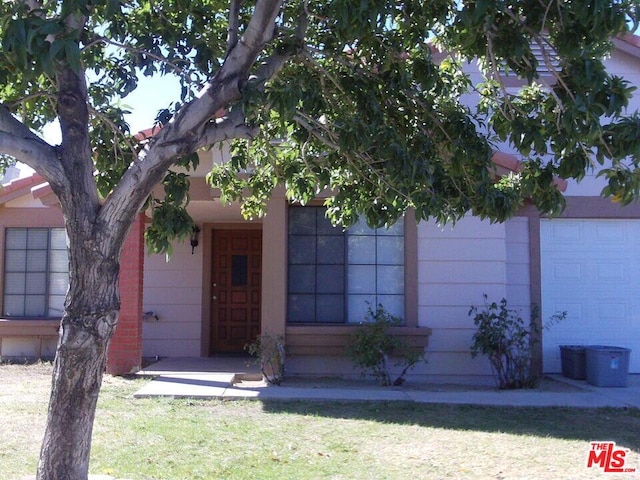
(607, 366)
(574, 364)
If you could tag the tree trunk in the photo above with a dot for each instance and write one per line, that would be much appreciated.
(90, 318)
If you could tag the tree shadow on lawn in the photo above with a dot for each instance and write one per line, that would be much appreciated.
(589, 424)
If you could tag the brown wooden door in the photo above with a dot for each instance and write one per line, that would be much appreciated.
(237, 283)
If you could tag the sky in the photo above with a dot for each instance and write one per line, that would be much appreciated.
(152, 94)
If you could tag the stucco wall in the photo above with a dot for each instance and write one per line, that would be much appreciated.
(518, 282)
(27, 347)
(173, 291)
(457, 265)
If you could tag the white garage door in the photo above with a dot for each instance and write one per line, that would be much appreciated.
(591, 270)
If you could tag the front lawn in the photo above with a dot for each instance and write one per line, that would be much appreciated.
(166, 439)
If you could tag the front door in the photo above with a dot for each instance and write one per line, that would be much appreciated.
(237, 283)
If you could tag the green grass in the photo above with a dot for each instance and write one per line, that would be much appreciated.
(186, 439)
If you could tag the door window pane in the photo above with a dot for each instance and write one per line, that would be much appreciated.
(239, 272)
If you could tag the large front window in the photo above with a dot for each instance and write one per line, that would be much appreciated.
(334, 275)
(36, 272)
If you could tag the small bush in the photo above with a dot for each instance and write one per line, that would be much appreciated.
(372, 346)
(503, 337)
(269, 352)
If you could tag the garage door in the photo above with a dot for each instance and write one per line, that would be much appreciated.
(591, 270)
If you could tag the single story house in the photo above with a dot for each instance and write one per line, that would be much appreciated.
(293, 274)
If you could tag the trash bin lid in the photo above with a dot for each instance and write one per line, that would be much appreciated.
(607, 347)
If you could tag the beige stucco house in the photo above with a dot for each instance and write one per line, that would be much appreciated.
(292, 274)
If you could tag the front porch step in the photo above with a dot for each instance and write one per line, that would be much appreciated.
(198, 377)
(198, 365)
(181, 385)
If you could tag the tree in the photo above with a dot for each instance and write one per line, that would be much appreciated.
(331, 94)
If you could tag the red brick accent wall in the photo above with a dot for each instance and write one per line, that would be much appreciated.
(125, 350)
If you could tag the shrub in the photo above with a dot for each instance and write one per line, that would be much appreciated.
(372, 347)
(504, 338)
(269, 352)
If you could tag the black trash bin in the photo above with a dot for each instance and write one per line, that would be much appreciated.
(574, 363)
(607, 366)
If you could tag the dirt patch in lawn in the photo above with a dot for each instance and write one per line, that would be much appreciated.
(28, 381)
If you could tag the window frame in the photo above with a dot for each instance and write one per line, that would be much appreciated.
(409, 274)
(48, 272)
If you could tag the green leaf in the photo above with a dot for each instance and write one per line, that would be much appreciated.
(72, 55)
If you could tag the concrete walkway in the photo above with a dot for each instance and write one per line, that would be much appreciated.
(232, 379)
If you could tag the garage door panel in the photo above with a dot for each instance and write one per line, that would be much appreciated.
(613, 272)
(591, 270)
(609, 234)
(612, 311)
(565, 271)
(563, 234)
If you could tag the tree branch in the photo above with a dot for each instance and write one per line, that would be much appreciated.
(34, 152)
(75, 149)
(230, 127)
(357, 159)
(234, 24)
(182, 135)
(116, 132)
(34, 6)
(10, 124)
(159, 58)
(21, 143)
(20, 100)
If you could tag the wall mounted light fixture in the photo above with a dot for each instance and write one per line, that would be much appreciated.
(195, 233)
